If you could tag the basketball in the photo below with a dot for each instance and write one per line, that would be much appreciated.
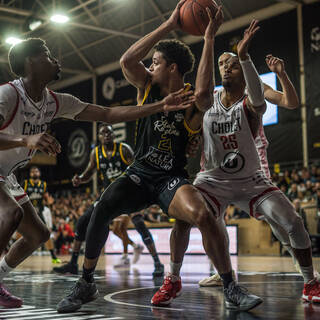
(193, 16)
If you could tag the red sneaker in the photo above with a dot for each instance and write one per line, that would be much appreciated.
(311, 291)
(8, 300)
(167, 292)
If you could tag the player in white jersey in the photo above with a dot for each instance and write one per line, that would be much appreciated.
(288, 99)
(231, 174)
(26, 109)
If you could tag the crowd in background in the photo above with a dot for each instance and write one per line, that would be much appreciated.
(299, 185)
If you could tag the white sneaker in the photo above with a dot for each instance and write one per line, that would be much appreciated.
(136, 253)
(123, 262)
(214, 281)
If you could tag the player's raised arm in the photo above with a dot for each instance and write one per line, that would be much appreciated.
(131, 61)
(288, 98)
(174, 101)
(254, 84)
(205, 73)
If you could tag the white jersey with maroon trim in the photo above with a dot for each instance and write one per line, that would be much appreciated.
(229, 146)
(22, 116)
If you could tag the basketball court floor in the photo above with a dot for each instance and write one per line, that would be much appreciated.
(126, 293)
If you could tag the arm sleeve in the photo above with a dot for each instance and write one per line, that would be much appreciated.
(8, 101)
(254, 84)
(69, 106)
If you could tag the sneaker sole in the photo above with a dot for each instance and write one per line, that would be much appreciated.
(231, 306)
(312, 300)
(9, 306)
(211, 284)
(73, 308)
(166, 303)
(65, 272)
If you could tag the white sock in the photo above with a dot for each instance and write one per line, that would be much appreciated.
(124, 256)
(134, 245)
(307, 273)
(175, 269)
(4, 269)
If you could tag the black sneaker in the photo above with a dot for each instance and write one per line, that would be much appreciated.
(82, 292)
(239, 298)
(158, 270)
(67, 268)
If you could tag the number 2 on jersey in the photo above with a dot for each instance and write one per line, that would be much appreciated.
(229, 142)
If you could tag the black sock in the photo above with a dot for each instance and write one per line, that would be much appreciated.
(87, 274)
(53, 256)
(156, 259)
(226, 278)
(74, 258)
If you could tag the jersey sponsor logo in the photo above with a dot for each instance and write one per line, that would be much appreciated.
(113, 173)
(165, 127)
(226, 127)
(159, 159)
(35, 196)
(232, 162)
(27, 114)
(135, 179)
(172, 183)
(30, 129)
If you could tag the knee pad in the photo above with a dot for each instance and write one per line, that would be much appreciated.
(142, 229)
(279, 209)
(279, 232)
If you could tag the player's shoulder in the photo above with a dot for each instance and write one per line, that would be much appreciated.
(8, 89)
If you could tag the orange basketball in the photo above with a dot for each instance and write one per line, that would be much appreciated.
(193, 16)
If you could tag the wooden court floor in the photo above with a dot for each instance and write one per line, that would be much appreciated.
(126, 293)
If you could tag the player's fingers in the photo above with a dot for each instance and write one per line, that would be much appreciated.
(178, 92)
(43, 148)
(180, 4)
(209, 13)
(186, 94)
(53, 142)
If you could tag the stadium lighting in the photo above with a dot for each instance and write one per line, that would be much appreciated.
(35, 24)
(59, 18)
(13, 40)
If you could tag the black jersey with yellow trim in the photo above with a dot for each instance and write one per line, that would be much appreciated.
(161, 138)
(36, 192)
(110, 168)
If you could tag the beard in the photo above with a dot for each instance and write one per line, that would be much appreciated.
(226, 84)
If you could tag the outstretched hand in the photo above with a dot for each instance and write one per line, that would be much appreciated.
(275, 64)
(173, 20)
(43, 142)
(214, 23)
(178, 100)
(248, 35)
(76, 181)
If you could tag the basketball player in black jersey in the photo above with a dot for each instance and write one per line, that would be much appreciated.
(109, 159)
(157, 174)
(36, 189)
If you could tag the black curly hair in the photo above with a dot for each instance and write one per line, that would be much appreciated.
(20, 51)
(175, 51)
